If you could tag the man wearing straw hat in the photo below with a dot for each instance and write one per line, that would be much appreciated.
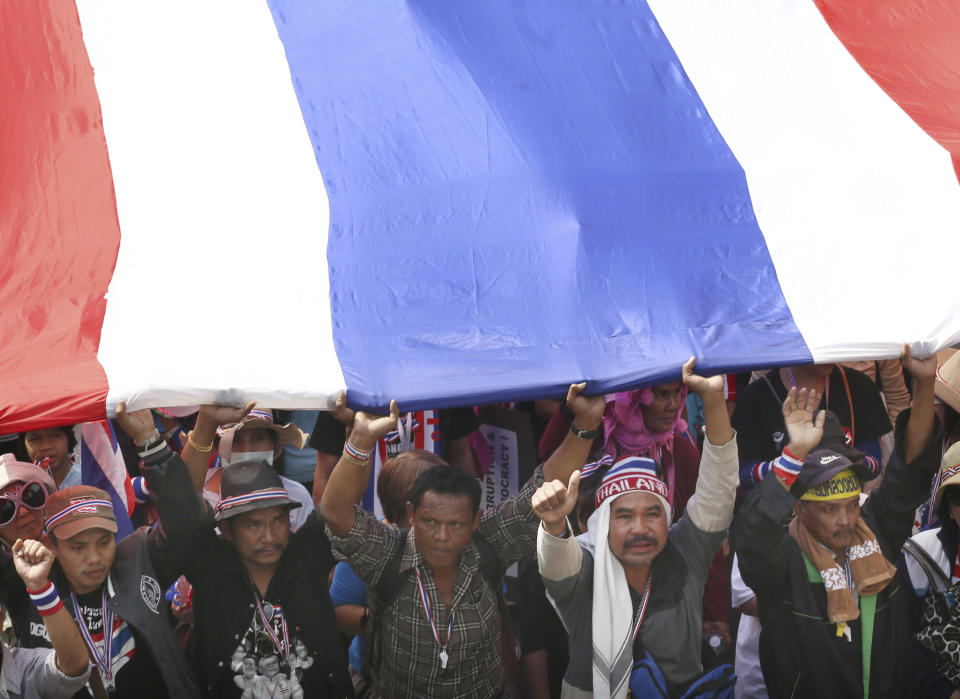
(831, 609)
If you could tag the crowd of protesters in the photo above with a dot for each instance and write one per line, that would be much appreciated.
(791, 533)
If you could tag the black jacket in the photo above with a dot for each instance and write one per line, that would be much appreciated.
(800, 654)
(223, 602)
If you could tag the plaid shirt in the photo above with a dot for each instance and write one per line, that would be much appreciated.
(410, 664)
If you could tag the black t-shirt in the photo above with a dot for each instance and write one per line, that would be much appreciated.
(758, 417)
(259, 668)
(134, 672)
(329, 434)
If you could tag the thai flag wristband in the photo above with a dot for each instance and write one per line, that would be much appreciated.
(787, 467)
(140, 490)
(46, 600)
(355, 453)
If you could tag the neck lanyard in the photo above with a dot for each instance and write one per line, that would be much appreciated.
(433, 626)
(104, 662)
(282, 645)
(826, 386)
(642, 607)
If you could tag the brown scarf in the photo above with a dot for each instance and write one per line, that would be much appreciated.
(870, 570)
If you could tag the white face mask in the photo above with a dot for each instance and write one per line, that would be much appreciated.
(237, 457)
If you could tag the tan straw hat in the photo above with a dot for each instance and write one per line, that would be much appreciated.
(947, 387)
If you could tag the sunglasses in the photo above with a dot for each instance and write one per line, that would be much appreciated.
(31, 495)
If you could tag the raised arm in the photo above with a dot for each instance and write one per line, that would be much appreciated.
(757, 532)
(921, 423)
(350, 476)
(33, 561)
(573, 452)
(711, 507)
(198, 448)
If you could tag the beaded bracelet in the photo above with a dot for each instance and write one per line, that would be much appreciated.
(46, 600)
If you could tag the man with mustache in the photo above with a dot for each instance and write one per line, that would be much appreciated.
(631, 589)
(830, 606)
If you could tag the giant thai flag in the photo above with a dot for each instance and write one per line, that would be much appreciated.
(458, 202)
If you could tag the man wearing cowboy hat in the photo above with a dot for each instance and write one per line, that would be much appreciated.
(631, 589)
(242, 435)
(830, 606)
(259, 590)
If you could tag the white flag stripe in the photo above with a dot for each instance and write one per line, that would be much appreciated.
(858, 205)
(221, 290)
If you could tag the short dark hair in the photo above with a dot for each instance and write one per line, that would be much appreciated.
(446, 480)
(20, 451)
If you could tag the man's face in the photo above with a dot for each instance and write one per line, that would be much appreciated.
(269, 666)
(822, 369)
(831, 522)
(49, 443)
(259, 537)
(638, 529)
(249, 667)
(86, 558)
(661, 414)
(442, 526)
(254, 439)
(26, 524)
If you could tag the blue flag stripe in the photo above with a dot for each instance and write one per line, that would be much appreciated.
(522, 197)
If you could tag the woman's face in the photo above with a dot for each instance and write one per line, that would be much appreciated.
(50, 442)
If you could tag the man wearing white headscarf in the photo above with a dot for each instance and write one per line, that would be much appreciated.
(631, 589)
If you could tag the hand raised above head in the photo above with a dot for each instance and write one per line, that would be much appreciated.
(341, 411)
(138, 424)
(919, 369)
(226, 414)
(368, 428)
(804, 423)
(587, 410)
(698, 384)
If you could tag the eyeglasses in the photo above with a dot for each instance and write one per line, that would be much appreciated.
(31, 495)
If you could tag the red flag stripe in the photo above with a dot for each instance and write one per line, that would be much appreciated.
(58, 218)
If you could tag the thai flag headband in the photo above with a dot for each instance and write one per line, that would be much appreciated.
(633, 474)
(256, 414)
(90, 506)
(257, 496)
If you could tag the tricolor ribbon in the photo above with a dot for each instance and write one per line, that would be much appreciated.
(642, 608)
(429, 612)
(104, 662)
(78, 506)
(251, 497)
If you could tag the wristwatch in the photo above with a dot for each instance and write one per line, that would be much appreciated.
(584, 434)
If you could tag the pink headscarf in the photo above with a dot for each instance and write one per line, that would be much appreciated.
(625, 433)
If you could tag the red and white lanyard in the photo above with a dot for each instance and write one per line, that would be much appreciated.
(433, 626)
(642, 608)
(105, 661)
(282, 646)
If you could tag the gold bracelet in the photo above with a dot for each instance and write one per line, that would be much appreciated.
(202, 450)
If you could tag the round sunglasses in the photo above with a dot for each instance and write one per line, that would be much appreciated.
(31, 495)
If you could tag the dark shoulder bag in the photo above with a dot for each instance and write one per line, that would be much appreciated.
(940, 619)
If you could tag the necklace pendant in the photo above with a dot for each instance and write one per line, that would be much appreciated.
(443, 659)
